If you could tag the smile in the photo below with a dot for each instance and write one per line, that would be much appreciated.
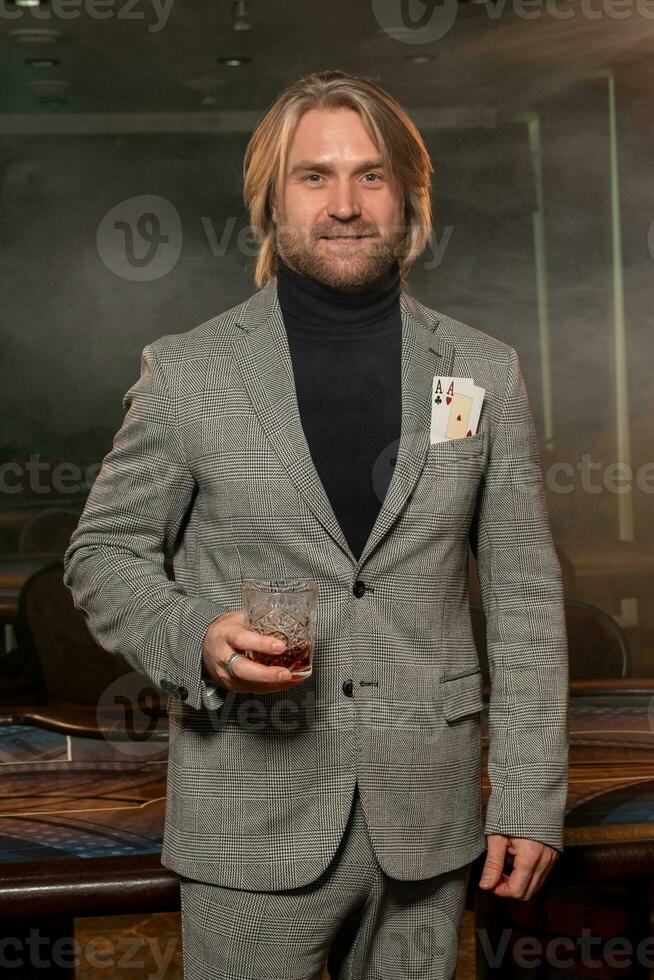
(343, 241)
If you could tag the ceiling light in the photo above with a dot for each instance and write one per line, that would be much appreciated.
(207, 86)
(42, 62)
(35, 35)
(234, 62)
(240, 13)
(51, 91)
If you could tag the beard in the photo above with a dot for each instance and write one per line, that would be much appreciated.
(353, 271)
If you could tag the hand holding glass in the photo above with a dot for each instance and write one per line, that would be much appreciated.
(286, 609)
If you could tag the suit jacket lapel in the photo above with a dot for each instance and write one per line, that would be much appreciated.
(263, 359)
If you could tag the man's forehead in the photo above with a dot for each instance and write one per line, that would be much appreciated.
(324, 130)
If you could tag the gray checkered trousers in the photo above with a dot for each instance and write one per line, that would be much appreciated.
(211, 466)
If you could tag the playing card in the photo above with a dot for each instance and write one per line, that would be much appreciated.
(443, 390)
(458, 415)
(456, 407)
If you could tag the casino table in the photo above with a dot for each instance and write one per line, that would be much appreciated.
(81, 819)
(601, 891)
(82, 812)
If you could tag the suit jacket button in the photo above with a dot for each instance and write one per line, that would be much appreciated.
(347, 687)
(182, 693)
(359, 588)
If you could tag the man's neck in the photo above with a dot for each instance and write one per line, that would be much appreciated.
(311, 301)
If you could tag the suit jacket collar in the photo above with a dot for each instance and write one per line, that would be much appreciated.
(263, 359)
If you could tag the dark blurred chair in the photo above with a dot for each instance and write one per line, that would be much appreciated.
(567, 573)
(598, 647)
(48, 532)
(57, 658)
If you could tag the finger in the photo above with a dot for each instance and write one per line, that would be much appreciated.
(244, 639)
(248, 687)
(491, 873)
(258, 678)
(525, 862)
(541, 872)
(515, 885)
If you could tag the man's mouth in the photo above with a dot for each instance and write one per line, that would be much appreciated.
(345, 242)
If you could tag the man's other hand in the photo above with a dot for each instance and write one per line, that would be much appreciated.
(532, 862)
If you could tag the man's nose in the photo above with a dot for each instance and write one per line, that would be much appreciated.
(343, 202)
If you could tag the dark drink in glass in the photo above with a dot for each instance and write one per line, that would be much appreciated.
(285, 609)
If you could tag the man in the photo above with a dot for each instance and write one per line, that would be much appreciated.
(342, 810)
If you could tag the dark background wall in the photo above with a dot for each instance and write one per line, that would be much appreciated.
(75, 312)
(73, 327)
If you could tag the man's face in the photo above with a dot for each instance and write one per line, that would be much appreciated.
(340, 218)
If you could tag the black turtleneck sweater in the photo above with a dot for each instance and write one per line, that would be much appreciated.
(346, 355)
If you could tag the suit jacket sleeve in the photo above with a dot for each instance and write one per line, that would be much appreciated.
(522, 595)
(114, 564)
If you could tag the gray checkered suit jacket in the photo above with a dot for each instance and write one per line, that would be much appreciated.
(211, 464)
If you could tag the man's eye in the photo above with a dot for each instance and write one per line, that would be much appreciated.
(309, 178)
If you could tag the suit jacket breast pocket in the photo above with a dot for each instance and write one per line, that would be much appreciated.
(453, 451)
(449, 480)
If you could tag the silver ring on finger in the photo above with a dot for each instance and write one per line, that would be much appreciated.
(228, 663)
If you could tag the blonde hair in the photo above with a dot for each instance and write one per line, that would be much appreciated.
(396, 136)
